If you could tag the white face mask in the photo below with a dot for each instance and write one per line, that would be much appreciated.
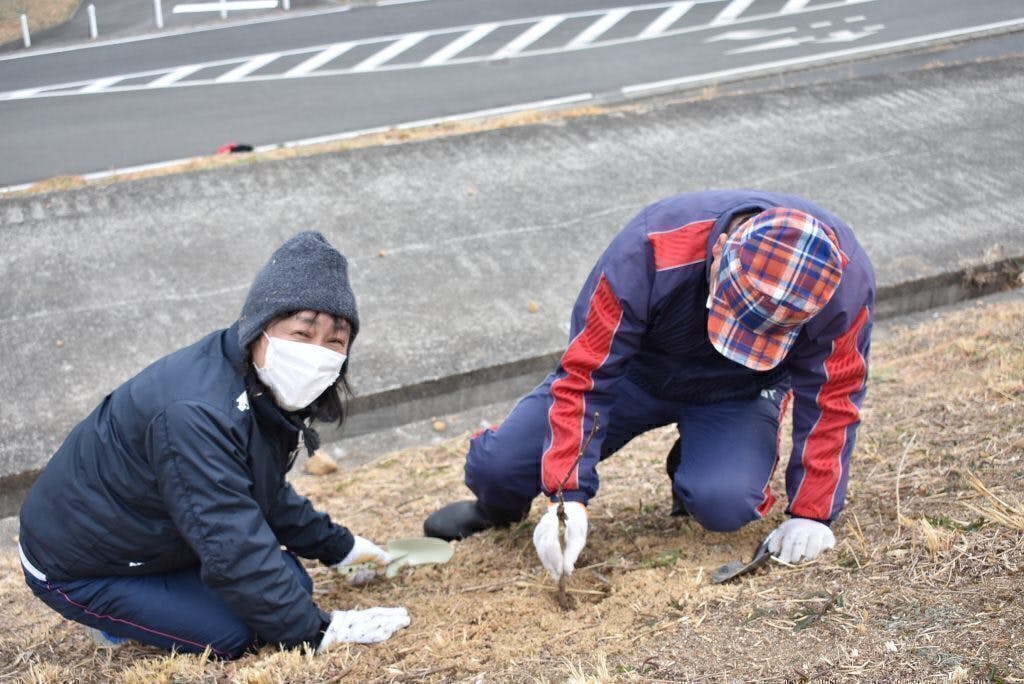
(298, 372)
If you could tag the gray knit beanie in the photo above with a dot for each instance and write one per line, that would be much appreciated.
(306, 272)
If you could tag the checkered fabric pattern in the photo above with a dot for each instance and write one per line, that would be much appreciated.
(777, 271)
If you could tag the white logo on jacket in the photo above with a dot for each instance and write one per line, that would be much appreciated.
(242, 402)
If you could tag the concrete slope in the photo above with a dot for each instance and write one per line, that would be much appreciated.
(450, 240)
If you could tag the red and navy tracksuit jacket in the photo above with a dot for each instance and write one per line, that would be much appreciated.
(642, 314)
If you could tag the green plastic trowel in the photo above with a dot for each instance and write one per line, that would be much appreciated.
(417, 551)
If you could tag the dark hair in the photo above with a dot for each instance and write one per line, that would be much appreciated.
(330, 406)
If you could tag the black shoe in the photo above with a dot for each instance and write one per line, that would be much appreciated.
(671, 465)
(678, 508)
(464, 518)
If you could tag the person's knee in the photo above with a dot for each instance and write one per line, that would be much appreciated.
(237, 643)
(486, 466)
(719, 508)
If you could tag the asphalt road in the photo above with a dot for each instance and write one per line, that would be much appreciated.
(93, 109)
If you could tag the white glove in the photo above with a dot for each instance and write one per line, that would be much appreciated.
(545, 538)
(363, 626)
(800, 539)
(363, 562)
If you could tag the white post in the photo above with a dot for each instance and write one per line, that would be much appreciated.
(93, 31)
(158, 13)
(286, 4)
(223, 10)
(25, 37)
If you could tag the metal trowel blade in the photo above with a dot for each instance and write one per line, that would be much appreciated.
(734, 569)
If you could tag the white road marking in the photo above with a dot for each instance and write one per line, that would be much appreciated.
(459, 44)
(390, 52)
(319, 59)
(847, 36)
(718, 76)
(177, 32)
(65, 89)
(529, 37)
(821, 24)
(665, 20)
(227, 6)
(599, 27)
(174, 76)
(100, 84)
(793, 6)
(732, 11)
(20, 94)
(750, 34)
(247, 68)
(854, 20)
(776, 44)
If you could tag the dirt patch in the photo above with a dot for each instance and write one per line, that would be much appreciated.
(925, 583)
(42, 14)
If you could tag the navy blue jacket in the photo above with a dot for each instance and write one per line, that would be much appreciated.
(180, 467)
(642, 314)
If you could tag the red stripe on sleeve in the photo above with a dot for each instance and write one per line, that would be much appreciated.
(845, 369)
(681, 246)
(587, 352)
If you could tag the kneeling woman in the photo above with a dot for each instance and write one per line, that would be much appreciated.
(162, 516)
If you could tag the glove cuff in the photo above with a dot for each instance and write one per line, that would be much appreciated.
(826, 523)
(571, 495)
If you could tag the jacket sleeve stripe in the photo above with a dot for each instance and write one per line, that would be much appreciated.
(586, 353)
(681, 246)
(846, 370)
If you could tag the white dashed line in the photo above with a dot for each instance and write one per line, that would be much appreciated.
(247, 67)
(598, 28)
(666, 19)
(732, 11)
(793, 6)
(319, 59)
(174, 76)
(101, 84)
(459, 44)
(531, 36)
(389, 53)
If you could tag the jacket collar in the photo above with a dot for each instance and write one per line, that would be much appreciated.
(722, 222)
(269, 415)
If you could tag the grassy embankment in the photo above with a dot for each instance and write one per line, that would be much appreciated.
(924, 585)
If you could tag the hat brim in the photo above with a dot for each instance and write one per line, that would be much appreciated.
(756, 350)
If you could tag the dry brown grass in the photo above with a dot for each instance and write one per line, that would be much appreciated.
(925, 584)
(42, 14)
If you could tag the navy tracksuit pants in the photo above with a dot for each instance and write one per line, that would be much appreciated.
(173, 611)
(729, 451)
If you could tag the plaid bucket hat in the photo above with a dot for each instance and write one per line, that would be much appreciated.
(780, 269)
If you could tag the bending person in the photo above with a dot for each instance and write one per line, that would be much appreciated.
(162, 516)
(709, 310)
